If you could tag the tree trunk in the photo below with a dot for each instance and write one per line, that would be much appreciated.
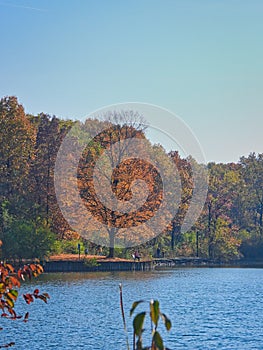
(261, 219)
(176, 232)
(210, 238)
(112, 233)
(197, 244)
(172, 240)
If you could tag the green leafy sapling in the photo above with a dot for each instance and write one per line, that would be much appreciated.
(138, 322)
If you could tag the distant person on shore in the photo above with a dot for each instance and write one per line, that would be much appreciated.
(99, 250)
(136, 255)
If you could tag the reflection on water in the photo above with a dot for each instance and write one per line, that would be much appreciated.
(82, 277)
(209, 308)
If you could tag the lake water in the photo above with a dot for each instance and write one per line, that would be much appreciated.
(209, 309)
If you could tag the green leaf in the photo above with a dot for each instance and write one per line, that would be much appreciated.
(134, 305)
(13, 294)
(167, 322)
(138, 323)
(155, 312)
(158, 341)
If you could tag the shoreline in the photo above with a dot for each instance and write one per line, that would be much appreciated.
(96, 263)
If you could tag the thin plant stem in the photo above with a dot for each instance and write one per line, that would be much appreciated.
(123, 317)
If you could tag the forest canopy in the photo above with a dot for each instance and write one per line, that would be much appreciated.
(229, 227)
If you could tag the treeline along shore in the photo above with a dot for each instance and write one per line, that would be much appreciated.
(229, 228)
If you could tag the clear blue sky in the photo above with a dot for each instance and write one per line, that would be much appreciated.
(201, 59)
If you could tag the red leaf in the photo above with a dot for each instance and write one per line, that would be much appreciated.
(15, 281)
(12, 312)
(39, 268)
(28, 298)
(10, 268)
(26, 317)
(46, 295)
(33, 267)
(20, 274)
